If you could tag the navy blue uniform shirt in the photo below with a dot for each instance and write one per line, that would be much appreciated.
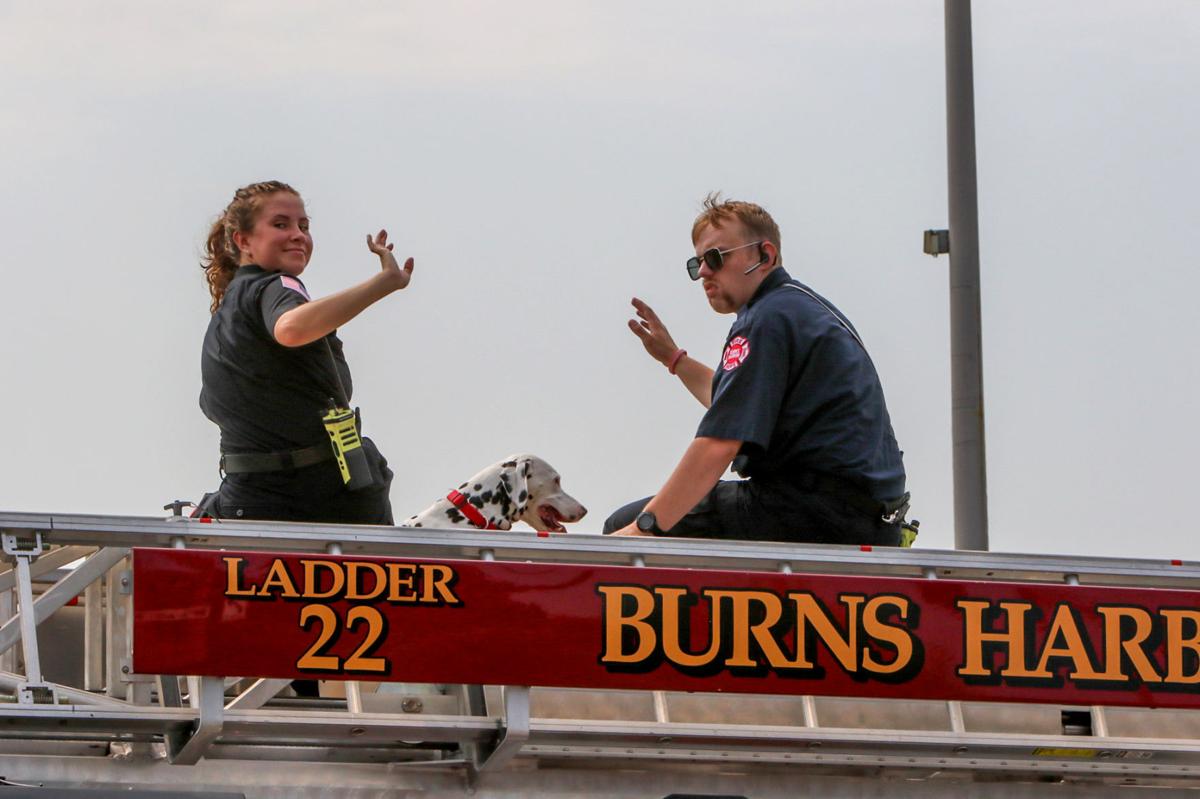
(801, 393)
(264, 396)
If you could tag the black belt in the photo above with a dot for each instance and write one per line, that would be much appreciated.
(850, 493)
(247, 462)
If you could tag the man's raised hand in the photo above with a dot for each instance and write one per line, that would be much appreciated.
(653, 333)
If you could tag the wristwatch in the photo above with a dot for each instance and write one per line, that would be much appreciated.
(647, 523)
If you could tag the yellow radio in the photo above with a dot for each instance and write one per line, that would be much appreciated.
(342, 426)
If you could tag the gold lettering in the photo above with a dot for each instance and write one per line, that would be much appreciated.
(439, 583)
(233, 574)
(312, 579)
(356, 580)
(615, 623)
(1114, 643)
(278, 578)
(740, 604)
(898, 637)
(672, 629)
(400, 581)
(1176, 644)
(354, 586)
(1013, 638)
(1063, 626)
(810, 612)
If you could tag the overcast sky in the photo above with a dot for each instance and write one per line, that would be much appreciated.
(543, 161)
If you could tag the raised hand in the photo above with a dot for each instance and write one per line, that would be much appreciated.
(387, 260)
(653, 333)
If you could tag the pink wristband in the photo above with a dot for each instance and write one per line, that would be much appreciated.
(675, 359)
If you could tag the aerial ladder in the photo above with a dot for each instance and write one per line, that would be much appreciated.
(160, 657)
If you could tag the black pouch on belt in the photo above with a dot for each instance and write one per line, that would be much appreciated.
(371, 456)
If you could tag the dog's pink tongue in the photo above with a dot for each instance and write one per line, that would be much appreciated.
(549, 517)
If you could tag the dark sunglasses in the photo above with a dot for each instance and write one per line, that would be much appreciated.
(714, 258)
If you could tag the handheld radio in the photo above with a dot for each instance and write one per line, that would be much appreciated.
(342, 426)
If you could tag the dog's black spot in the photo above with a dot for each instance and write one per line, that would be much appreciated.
(509, 463)
(478, 501)
(454, 515)
(418, 524)
(478, 486)
(528, 468)
(461, 487)
(524, 496)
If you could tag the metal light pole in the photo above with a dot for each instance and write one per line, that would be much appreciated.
(966, 340)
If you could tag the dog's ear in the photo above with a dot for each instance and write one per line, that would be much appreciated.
(514, 481)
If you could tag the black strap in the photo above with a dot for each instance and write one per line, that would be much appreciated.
(342, 397)
(841, 319)
(247, 462)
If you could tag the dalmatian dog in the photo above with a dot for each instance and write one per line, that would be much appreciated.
(521, 488)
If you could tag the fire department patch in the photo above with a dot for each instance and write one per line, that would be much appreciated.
(735, 353)
(295, 285)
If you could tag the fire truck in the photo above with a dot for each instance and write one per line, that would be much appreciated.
(173, 657)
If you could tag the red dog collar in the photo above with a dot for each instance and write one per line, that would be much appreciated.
(459, 500)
